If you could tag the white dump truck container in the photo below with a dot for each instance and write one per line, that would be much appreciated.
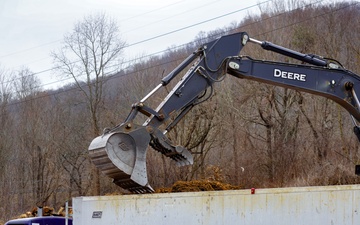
(300, 205)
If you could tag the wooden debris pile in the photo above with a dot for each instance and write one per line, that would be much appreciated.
(46, 211)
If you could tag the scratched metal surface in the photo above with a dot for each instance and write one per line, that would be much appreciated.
(300, 205)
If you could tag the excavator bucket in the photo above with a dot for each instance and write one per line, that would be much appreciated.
(121, 155)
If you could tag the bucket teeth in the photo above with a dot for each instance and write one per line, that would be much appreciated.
(133, 187)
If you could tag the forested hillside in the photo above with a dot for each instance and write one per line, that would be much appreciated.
(247, 134)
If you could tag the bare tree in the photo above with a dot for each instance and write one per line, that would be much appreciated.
(25, 83)
(6, 132)
(89, 53)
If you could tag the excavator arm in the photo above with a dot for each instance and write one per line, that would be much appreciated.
(120, 152)
(324, 78)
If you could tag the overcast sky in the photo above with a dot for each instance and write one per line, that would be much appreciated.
(31, 29)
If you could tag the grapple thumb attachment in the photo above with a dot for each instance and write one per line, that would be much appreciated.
(121, 155)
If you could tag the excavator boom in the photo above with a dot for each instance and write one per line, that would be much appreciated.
(121, 151)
